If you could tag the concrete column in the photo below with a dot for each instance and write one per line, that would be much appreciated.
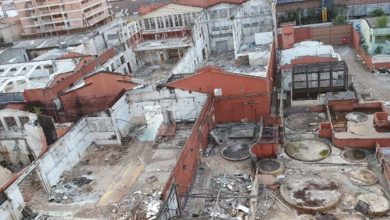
(155, 23)
(163, 20)
(18, 122)
(182, 20)
(43, 179)
(4, 124)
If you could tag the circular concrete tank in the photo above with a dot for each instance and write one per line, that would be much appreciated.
(278, 215)
(348, 201)
(270, 166)
(305, 121)
(356, 116)
(362, 177)
(236, 152)
(310, 193)
(378, 205)
(307, 150)
(354, 155)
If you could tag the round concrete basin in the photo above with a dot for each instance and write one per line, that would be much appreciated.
(362, 177)
(236, 152)
(354, 155)
(308, 150)
(304, 121)
(310, 193)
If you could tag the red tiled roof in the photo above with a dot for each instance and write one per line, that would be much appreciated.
(144, 9)
(69, 55)
(207, 3)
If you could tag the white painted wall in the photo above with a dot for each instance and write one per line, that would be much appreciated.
(15, 151)
(220, 25)
(193, 59)
(11, 209)
(21, 140)
(129, 111)
(69, 149)
(184, 105)
(120, 114)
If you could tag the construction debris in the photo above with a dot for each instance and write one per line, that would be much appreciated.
(227, 195)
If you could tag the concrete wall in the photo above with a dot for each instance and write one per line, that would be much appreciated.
(11, 209)
(184, 105)
(220, 26)
(67, 151)
(200, 51)
(256, 17)
(63, 155)
(120, 114)
(21, 140)
(130, 110)
(10, 33)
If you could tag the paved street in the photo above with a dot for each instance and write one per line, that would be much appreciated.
(364, 80)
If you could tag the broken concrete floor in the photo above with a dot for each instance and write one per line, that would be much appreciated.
(111, 182)
(223, 188)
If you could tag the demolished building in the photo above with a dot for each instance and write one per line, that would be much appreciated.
(212, 135)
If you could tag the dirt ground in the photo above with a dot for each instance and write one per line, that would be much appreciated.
(364, 80)
(110, 182)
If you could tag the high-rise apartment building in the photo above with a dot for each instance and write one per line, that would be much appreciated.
(53, 17)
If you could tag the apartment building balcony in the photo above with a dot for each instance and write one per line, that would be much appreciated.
(91, 3)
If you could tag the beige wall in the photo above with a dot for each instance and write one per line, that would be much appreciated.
(10, 33)
(57, 16)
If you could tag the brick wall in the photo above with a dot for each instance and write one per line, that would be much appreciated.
(367, 59)
(45, 96)
(184, 172)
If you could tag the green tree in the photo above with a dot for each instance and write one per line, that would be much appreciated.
(37, 110)
(378, 50)
(381, 22)
(377, 12)
(340, 19)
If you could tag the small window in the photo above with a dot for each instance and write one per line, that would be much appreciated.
(23, 120)
(152, 24)
(21, 82)
(223, 13)
(146, 24)
(11, 123)
(160, 23)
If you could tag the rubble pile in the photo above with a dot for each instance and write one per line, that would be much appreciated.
(74, 190)
(226, 196)
(140, 205)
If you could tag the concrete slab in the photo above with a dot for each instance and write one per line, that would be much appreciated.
(310, 193)
(270, 166)
(236, 152)
(354, 155)
(242, 131)
(362, 177)
(356, 116)
(307, 150)
(378, 205)
(305, 121)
